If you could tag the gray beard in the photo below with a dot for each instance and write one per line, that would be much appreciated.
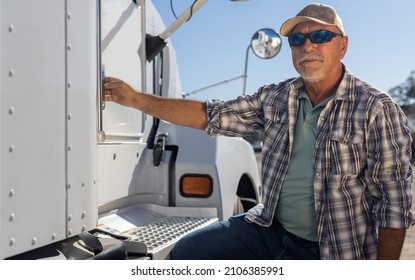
(313, 77)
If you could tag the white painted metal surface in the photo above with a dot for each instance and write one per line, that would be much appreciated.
(33, 121)
(117, 165)
(48, 122)
(235, 156)
(82, 79)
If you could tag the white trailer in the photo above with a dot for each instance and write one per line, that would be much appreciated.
(78, 175)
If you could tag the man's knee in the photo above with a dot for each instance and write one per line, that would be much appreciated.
(180, 250)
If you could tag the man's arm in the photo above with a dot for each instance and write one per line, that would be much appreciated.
(390, 243)
(184, 112)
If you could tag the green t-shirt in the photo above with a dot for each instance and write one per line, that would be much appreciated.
(295, 209)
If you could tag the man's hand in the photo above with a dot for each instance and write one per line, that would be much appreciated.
(117, 91)
(390, 243)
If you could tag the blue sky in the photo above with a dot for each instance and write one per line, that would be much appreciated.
(211, 46)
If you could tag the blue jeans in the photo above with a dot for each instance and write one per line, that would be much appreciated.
(237, 239)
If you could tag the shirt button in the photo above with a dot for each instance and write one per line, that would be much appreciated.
(317, 174)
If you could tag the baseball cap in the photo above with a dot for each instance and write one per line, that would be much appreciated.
(316, 12)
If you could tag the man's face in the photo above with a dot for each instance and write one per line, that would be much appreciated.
(318, 62)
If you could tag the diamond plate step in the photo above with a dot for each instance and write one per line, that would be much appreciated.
(155, 237)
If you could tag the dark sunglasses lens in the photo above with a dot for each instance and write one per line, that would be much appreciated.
(320, 36)
(297, 39)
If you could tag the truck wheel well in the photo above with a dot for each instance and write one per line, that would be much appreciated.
(246, 193)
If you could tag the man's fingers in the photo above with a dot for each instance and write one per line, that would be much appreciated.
(110, 82)
(110, 79)
(111, 85)
(108, 98)
(116, 90)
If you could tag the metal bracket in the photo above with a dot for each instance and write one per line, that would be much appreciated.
(159, 146)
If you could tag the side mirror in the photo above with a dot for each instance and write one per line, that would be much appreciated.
(266, 43)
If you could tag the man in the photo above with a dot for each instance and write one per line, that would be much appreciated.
(336, 156)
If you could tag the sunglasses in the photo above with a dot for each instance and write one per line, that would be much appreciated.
(317, 37)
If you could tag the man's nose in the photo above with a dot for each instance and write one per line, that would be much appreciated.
(308, 44)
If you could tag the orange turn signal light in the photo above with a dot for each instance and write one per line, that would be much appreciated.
(196, 185)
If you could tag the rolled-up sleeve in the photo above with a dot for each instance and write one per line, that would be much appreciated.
(390, 154)
(240, 117)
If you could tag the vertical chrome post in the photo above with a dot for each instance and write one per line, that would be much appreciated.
(143, 46)
(100, 76)
(143, 56)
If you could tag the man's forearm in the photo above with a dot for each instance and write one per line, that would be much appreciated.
(390, 243)
(186, 112)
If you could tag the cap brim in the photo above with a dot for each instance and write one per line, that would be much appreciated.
(289, 25)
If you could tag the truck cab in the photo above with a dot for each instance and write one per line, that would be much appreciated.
(84, 179)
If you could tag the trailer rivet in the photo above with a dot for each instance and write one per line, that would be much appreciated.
(68, 186)
(53, 236)
(69, 15)
(11, 148)
(34, 241)
(83, 214)
(11, 73)
(12, 217)
(69, 232)
(12, 193)
(11, 28)
(11, 111)
(69, 116)
(83, 184)
(69, 148)
(69, 218)
(69, 47)
(69, 84)
(12, 241)
(83, 228)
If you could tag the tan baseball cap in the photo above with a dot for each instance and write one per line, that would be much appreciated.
(316, 12)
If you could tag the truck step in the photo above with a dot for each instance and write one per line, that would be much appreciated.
(154, 237)
(166, 231)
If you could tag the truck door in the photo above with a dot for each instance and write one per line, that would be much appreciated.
(121, 39)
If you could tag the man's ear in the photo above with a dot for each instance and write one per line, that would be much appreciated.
(343, 46)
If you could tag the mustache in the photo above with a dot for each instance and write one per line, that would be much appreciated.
(305, 57)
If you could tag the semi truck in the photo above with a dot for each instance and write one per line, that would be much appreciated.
(85, 179)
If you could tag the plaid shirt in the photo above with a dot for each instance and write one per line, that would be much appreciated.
(362, 171)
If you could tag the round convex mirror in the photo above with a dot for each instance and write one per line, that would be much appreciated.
(266, 43)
